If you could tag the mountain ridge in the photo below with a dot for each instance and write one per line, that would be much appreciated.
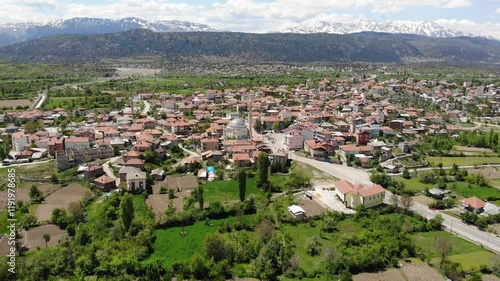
(425, 28)
(282, 47)
(12, 33)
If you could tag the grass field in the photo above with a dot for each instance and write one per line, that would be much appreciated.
(467, 254)
(53, 102)
(40, 170)
(460, 188)
(218, 191)
(472, 260)
(463, 161)
(463, 189)
(171, 246)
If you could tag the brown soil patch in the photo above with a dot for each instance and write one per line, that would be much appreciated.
(60, 199)
(420, 272)
(311, 207)
(15, 103)
(490, 278)
(159, 202)
(474, 149)
(33, 238)
(424, 200)
(389, 275)
(489, 173)
(23, 194)
(181, 183)
(4, 246)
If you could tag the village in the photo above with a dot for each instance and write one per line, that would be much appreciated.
(355, 136)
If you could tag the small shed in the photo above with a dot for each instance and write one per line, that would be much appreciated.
(297, 212)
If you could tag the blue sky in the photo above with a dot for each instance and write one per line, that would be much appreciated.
(481, 17)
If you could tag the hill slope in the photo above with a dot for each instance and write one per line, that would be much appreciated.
(367, 47)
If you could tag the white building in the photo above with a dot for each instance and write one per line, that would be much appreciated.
(136, 181)
(236, 129)
(294, 140)
(297, 211)
(20, 140)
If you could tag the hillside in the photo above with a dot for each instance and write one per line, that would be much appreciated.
(364, 47)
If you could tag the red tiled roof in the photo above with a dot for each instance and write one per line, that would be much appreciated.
(474, 202)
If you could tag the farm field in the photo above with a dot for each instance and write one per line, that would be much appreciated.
(15, 103)
(222, 191)
(33, 238)
(463, 161)
(53, 102)
(408, 272)
(74, 192)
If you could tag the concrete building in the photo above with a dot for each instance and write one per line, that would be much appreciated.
(236, 129)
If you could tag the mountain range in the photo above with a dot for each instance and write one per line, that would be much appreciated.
(18, 32)
(425, 28)
(248, 47)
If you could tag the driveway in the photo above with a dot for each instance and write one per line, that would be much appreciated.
(329, 200)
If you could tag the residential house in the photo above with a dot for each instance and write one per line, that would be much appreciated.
(473, 204)
(76, 142)
(362, 137)
(105, 183)
(355, 195)
(158, 174)
(209, 144)
(93, 171)
(136, 181)
(316, 148)
(347, 152)
(241, 159)
(20, 140)
(294, 140)
(125, 170)
(138, 163)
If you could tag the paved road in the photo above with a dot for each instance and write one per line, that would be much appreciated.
(43, 97)
(339, 171)
(107, 169)
(451, 224)
(25, 164)
(147, 107)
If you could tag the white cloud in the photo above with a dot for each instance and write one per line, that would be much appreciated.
(234, 15)
(481, 29)
(497, 11)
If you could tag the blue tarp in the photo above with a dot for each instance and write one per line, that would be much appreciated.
(211, 169)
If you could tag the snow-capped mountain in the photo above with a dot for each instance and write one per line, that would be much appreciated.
(16, 32)
(426, 28)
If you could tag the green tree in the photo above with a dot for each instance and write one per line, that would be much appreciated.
(406, 174)
(127, 212)
(436, 222)
(35, 194)
(200, 197)
(266, 265)
(46, 238)
(75, 209)
(54, 179)
(258, 126)
(263, 171)
(217, 248)
(443, 247)
(242, 184)
(313, 246)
